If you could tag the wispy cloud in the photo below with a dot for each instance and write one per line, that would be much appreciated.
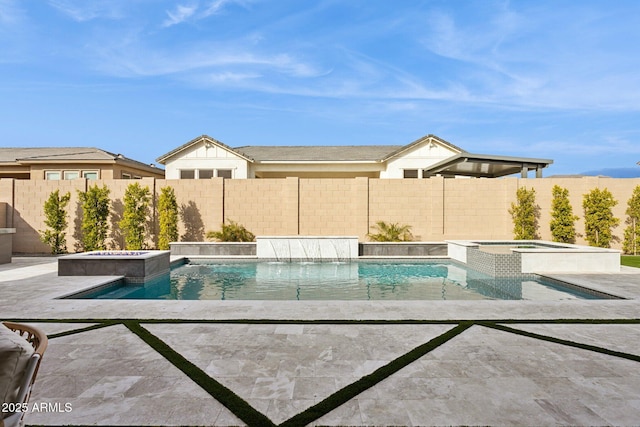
(195, 11)
(82, 11)
(180, 14)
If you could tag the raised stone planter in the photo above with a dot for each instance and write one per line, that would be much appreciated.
(411, 249)
(213, 248)
(6, 244)
(135, 266)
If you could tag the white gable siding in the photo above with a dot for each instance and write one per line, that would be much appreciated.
(203, 157)
(418, 157)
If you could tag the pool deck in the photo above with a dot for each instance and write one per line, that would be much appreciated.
(480, 363)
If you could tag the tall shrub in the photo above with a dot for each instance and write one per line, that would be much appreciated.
(167, 218)
(55, 212)
(631, 244)
(95, 214)
(135, 216)
(525, 214)
(598, 217)
(563, 220)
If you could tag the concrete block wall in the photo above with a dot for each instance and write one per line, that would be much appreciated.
(200, 205)
(621, 188)
(407, 202)
(28, 216)
(437, 209)
(333, 207)
(478, 208)
(264, 206)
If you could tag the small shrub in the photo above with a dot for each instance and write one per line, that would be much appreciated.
(390, 232)
(232, 232)
(56, 220)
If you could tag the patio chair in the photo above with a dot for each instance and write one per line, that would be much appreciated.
(27, 377)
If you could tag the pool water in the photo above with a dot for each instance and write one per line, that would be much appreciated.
(362, 280)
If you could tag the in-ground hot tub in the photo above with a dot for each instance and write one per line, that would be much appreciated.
(135, 266)
(506, 258)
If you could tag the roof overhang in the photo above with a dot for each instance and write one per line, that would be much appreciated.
(486, 166)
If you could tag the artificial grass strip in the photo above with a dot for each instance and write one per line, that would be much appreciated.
(352, 390)
(331, 321)
(630, 260)
(222, 394)
(574, 344)
(80, 330)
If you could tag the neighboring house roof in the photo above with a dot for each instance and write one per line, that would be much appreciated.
(311, 153)
(32, 155)
(460, 163)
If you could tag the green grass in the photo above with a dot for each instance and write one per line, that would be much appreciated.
(630, 260)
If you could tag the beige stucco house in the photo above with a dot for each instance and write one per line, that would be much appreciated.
(55, 163)
(205, 157)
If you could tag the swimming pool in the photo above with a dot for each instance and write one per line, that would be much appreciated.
(361, 280)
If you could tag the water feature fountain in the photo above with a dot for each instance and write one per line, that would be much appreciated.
(307, 248)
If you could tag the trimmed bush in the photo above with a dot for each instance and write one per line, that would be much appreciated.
(390, 232)
(231, 232)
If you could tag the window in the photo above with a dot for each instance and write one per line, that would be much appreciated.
(90, 174)
(126, 175)
(205, 173)
(224, 173)
(71, 174)
(411, 173)
(137, 177)
(187, 174)
(52, 175)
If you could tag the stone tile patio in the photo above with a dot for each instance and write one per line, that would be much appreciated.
(518, 362)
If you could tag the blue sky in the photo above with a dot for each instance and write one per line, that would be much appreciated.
(557, 79)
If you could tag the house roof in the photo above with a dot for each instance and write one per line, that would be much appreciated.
(461, 163)
(312, 153)
(202, 138)
(30, 155)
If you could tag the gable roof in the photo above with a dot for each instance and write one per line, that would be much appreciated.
(206, 139)
(419, 141)
(313, 153)
(31, 155)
